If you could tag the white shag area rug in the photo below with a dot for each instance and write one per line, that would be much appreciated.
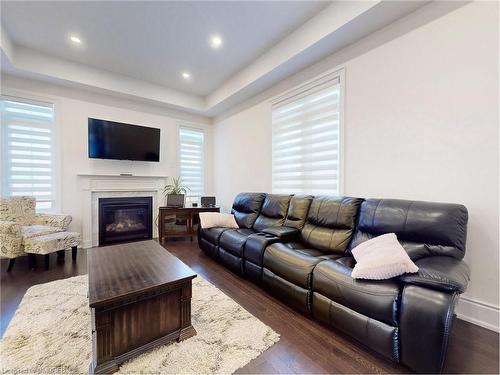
(50, 333)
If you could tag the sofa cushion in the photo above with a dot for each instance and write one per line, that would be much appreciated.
(318, 254)
(374, 299)
(381, 258)
(233, 240)
(212, 235)
(330, 223)
(217, 219)
(289, 264)
(295, 245)
(246, 208)
(347, 261)
(273, 211)
(298, 210)
(422, 228)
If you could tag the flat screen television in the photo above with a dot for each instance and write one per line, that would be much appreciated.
(116, 140)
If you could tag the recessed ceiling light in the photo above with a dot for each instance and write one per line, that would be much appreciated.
(215, 41)
(186, 75)
(75, 39)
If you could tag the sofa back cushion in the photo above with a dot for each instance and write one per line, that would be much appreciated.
(273, 211)
(246, 208)
(422, 228)
(18, 209)
(330, 223)
(297, 211)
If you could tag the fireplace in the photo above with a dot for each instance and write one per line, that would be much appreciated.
(125, 219)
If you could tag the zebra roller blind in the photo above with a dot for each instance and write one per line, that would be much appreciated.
(28, 151)
(306, 139)
(192, 160)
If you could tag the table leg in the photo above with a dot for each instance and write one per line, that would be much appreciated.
(31, 261)
(11, 264)
(160, 226)
(61, 254)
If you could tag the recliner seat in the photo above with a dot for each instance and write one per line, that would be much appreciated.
(305, 258)
(433, 234)
(246, 208)
(326, 234)
(257, 243)
(232, 242)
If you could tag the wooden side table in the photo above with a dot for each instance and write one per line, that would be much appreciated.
(180, 221)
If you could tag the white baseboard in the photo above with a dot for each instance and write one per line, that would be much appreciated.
(479, 313)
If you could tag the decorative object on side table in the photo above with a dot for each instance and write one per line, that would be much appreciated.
(175, 192)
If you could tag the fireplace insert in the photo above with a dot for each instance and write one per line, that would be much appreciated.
(125, 219)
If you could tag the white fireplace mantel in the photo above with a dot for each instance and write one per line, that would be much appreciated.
(95, 186)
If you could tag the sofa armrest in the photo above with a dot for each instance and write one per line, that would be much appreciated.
(10, 228)
(441, 273)
(54, 220)
(285, 234)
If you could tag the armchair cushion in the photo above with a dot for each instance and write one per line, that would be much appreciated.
(30, 231)
(441, 273)
(60, 221)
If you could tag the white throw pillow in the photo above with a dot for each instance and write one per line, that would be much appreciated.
(215, 219)
(381, 258)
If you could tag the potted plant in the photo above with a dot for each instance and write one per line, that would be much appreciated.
(175, 190)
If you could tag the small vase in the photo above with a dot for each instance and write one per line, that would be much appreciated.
(175, 200)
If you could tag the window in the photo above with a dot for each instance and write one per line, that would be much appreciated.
(306, 139)
(192, 161)
(28, 151)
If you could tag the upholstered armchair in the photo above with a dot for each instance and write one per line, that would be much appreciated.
(18, 222)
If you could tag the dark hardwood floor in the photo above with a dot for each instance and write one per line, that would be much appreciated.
(305, 346)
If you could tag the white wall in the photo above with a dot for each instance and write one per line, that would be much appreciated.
(242, 145)
(73, 107)
(421, 122)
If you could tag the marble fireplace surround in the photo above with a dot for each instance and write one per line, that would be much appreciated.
(111, 186)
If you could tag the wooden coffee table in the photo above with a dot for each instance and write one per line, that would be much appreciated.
(139, 297)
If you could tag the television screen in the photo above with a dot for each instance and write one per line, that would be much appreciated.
(115, 140)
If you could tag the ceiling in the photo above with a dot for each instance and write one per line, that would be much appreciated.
(156, 41)
(139, 49)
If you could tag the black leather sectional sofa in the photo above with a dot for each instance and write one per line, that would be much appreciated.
(298, 248)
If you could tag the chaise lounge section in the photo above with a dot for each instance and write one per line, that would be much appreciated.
(304, 257)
